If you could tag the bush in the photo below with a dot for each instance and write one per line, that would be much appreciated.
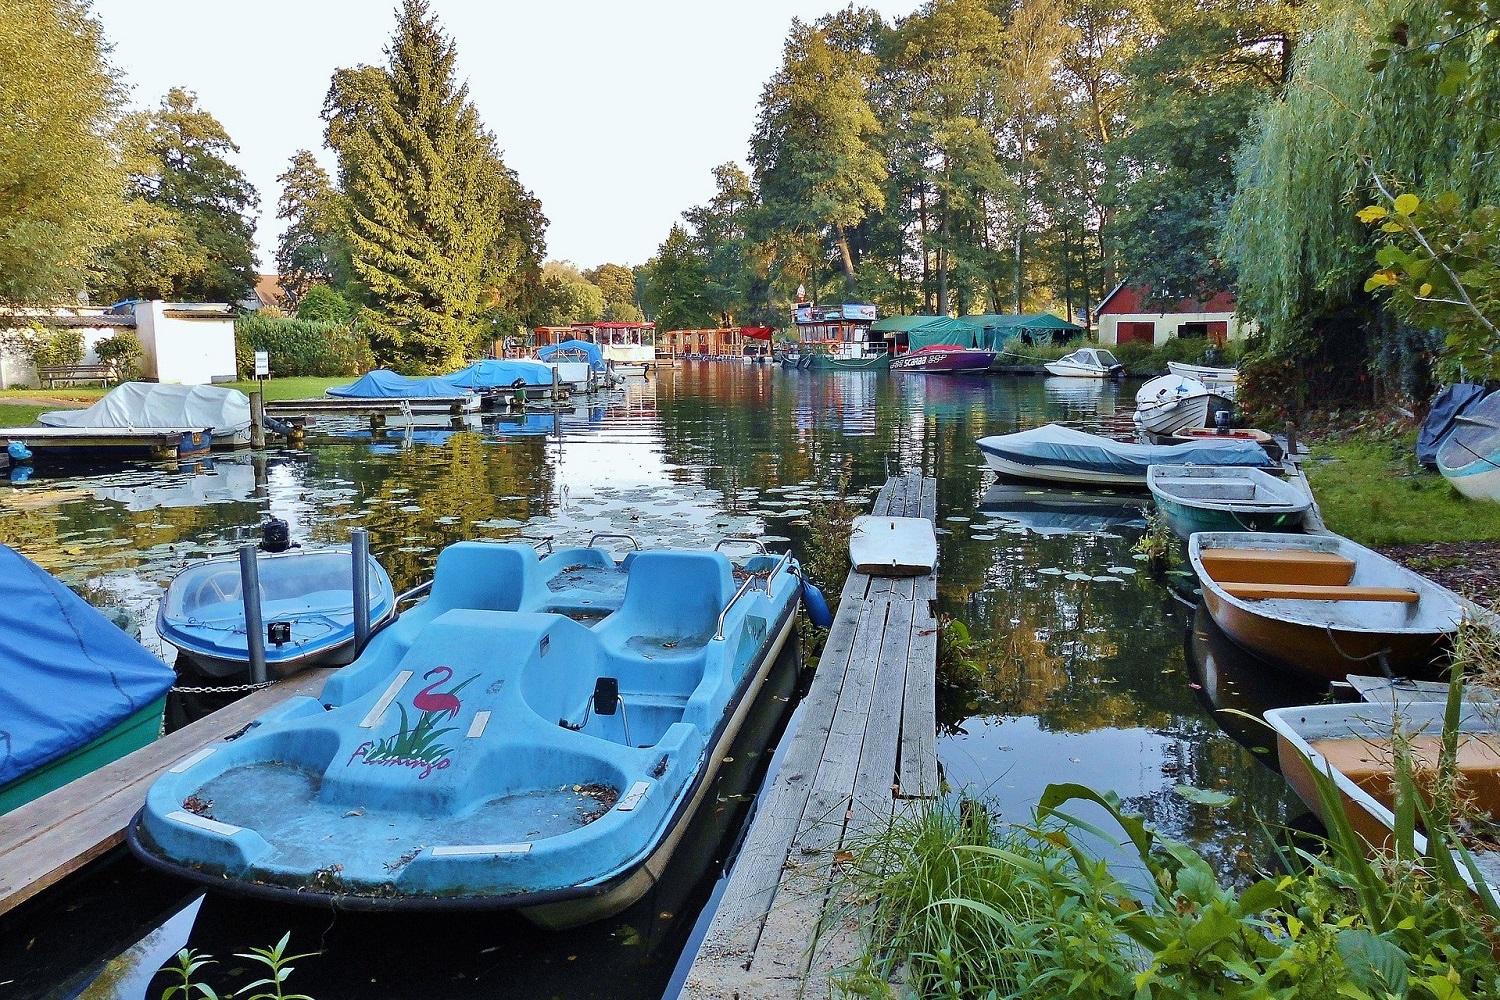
(323, 304)
(299, 347)
(122, 353)
(52, 347)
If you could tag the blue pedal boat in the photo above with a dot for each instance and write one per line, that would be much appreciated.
(535, 735)
(307, 604)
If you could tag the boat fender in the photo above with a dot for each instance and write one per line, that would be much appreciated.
(816, 604)
(18, 451)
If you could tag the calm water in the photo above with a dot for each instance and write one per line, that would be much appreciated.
(1089, 672)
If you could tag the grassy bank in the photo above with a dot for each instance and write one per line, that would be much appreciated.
(291, 388)
(1372, 491)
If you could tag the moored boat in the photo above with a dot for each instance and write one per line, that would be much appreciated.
(1201, 498)
(938, 358)
(495, 375)
(306, 604)
(1323, 606)
(143, 405)
(76, 693)
(1203, 373)
(1170, 403)
(1355, 746)
(1056, 453)
(1469, 457)
(535, 735)
(1086, 362)
(851, 362)
(420, 395)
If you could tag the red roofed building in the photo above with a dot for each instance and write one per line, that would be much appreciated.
(1125, 318)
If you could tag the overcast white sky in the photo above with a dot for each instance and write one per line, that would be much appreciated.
(612, 112)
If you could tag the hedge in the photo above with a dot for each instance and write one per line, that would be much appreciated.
(299, 347)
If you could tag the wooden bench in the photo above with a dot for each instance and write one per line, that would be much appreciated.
(50, 375)
(1278, 566)
(1313, 592)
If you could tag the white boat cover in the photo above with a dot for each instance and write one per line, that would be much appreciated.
(1056, 445)
(152, 404)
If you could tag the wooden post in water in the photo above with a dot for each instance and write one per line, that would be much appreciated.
(257, 421)
(1291, 441)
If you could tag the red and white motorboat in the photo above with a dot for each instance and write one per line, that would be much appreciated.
(945, 358)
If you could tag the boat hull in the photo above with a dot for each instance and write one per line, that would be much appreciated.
(1052, 473)
(938, 362)
(824, 362)
(137, 730)
(1185, 520)
(1168, 418)
(1326, 640)
(1079, 371)
(1476, 481)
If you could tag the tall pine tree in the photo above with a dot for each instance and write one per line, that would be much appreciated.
(430, 204)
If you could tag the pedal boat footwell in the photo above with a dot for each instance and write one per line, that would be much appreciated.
(468, 757)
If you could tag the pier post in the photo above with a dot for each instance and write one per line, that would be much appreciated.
(257, 421)
(255, 629)
(360, 544)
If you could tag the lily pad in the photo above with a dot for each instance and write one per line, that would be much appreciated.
(1204, 796)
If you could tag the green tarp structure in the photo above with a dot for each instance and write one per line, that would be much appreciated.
(992, 330)
(925, 331)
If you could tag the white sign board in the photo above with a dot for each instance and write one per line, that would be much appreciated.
(262, 364)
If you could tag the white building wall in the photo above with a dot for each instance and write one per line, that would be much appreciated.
(185, 350)
(16, 369)
(1167, 324)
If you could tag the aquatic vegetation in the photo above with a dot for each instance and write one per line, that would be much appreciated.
(964, 908)
(186, 983)
(1158, 544)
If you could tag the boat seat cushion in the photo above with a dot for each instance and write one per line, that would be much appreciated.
(1308, 592)
(1272, 565)
(672, 604)
(484, 576)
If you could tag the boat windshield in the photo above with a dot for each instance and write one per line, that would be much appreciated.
(1106, 359)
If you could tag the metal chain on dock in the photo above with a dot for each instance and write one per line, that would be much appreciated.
(221, 689)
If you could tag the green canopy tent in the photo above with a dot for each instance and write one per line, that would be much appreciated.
(925, 331)
(992, 330)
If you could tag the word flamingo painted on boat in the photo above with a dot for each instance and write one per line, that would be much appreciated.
(439, 702)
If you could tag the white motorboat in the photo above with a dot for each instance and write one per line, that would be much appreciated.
(1086, 362)
(1170, 403)
(1203, 373)
(1469, 458)
(1055, 453)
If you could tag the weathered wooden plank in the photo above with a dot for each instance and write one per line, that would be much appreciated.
(918, 773)
(53, 836)
(928, 506)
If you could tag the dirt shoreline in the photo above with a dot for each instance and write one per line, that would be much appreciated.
(1468, 568)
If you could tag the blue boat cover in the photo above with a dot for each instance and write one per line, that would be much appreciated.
(1451, 402)
(383, 384)
(574, 348)
(1055, 444)
(483, 376)
(67, 673)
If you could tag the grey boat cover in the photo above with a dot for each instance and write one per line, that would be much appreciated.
(154, 404)
(1055, 444)
(1452, 401)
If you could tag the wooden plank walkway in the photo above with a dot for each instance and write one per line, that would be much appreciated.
(865, 744)
(51, 837)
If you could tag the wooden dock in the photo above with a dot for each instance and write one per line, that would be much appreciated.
(864, 747)
(51, 837)
(162, 443)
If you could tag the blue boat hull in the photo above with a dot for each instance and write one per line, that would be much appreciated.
(496, 785)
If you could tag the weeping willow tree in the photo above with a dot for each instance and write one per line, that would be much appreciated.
(1361, 112)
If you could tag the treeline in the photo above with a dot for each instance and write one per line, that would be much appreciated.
(983, 155)
(1016, 155)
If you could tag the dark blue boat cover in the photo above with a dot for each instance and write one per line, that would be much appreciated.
(483, 376)
(67, 673)
(577, 348)
(383, 384)
(1449, 403)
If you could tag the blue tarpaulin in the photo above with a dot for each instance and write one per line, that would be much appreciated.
(383, 384)
(67, 673)
(570, 350)
(1450, 403)
(484, 376)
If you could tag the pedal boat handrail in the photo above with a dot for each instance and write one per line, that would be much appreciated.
(744, 587)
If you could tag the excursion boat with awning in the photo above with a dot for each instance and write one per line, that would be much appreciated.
(1055, 453)
(76, 693)
(535, 735)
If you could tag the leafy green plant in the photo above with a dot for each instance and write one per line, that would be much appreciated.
(1158, 544)
(122, 353)
(278, 964)
(183, 969)
(51, 347)
(299, 347)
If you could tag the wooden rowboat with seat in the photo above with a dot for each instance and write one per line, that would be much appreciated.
(1323, 606)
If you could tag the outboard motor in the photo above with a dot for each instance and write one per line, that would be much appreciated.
(1221, 421)
(275, 535)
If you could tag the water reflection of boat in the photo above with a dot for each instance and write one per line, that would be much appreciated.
(559, 784)
(1230, 678)
(1089, 395)
(213, 482)
(1058, 512)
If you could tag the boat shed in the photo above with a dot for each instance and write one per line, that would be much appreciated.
(1130, 315)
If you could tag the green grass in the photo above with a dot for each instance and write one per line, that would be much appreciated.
(20, 414)
(1373, 492)
(291, 388)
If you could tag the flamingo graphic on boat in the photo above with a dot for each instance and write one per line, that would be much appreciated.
(417, 747)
